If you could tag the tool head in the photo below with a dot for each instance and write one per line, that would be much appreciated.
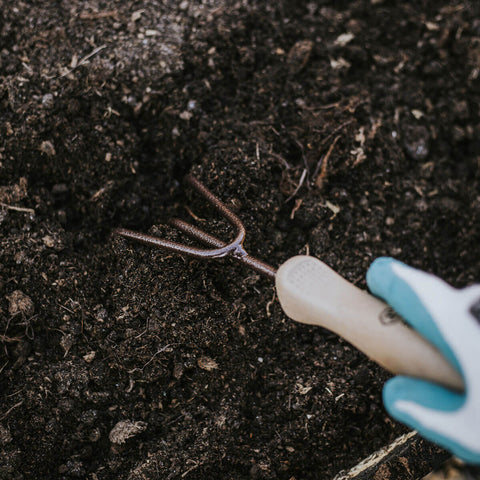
(218, 248)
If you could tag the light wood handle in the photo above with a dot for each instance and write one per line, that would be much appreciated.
(311, 292)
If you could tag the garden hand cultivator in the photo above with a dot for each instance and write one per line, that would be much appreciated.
(311, 292)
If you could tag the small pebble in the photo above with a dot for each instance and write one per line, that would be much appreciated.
(415, 142)
(47, 100)
(95, 435)
(186, 115)
(343, 39)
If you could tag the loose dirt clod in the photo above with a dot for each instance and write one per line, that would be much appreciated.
(5, 436)
(14, 193)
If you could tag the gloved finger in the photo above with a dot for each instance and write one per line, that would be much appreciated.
(435, 413)
(412, 294)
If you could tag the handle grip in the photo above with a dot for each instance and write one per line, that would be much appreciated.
(311, 292)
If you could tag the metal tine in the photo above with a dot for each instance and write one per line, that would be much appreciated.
(164, 244)
(220, 249)
(235, 246)
(207, 239)
(196, 233)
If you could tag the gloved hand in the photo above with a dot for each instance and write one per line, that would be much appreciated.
(450, 319)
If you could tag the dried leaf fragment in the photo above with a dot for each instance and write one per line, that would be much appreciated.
(20, 303)
(299, 55)
(14, 193)
(47, 148)
(89, 356)
(302, 389)
(343, 39)
(206, 363)
(124, 430)
(67, 342)
(339, 63)
(48, 241)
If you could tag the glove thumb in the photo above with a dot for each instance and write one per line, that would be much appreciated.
(433, 411)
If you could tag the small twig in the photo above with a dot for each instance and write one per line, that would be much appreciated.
(65, 308)
(196, 217)
(4, 338)
(323, 164)
(300, 183)
(330, 135)
(7, 413)
(98, 15)
(176, 419)
(329, 106)
(163, 349)
(279, 157)
(17, 209)
(84, 60)
(304, 158)
(3, 366)
(184, 474)
(270, 303)
(298, 204)
(102, 190)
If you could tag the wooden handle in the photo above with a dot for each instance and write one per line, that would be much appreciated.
(310, 292)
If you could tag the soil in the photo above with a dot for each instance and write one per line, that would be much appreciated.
(343, 129)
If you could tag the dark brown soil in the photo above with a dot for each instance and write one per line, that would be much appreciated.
(347, 129)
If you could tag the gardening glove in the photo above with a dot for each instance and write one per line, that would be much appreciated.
(449, 319)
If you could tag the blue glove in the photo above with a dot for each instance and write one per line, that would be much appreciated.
(449, 319)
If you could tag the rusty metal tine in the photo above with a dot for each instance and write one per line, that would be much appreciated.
(208, 239)
(234, 247)
(168, 245)
(220, 206)
(196, 233)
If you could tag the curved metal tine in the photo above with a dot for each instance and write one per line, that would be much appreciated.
(234, 247)
(194, 232)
